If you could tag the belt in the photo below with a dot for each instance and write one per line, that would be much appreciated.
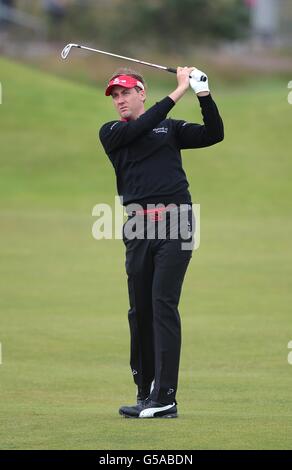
(156, 213)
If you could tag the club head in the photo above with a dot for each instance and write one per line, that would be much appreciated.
(66, 51)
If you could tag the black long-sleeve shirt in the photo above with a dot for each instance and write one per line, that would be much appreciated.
(146, 154)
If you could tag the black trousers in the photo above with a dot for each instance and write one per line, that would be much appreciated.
(156, 268)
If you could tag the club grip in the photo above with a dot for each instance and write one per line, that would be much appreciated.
(171, 69)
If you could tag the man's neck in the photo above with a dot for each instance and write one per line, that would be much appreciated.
(133, 118)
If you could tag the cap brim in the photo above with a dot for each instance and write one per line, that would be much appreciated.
(108, 91)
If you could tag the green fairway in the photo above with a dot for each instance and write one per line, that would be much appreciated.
(63, 295)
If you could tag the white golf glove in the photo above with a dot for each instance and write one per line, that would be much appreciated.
(199, 81)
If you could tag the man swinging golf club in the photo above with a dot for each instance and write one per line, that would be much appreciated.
(144, 148)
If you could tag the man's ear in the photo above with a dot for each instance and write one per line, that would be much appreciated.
(143, 95)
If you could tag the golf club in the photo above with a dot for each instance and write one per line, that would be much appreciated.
(66, 51)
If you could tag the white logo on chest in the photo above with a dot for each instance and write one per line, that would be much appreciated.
(160, 130)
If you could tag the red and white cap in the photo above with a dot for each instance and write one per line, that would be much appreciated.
(125, 81)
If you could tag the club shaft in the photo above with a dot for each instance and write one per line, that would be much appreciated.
(67, 49)
(162, 67)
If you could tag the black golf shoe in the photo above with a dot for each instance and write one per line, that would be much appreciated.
(149, 409)
(132, 411)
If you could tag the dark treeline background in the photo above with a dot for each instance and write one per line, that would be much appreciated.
(169, 25)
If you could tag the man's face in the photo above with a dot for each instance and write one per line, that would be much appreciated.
(129, 102)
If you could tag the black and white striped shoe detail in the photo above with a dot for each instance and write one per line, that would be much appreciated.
(157, 410)
(150, 409)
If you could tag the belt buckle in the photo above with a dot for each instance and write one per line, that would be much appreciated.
(156, 216)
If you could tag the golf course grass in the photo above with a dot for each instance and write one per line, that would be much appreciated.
(63, 294)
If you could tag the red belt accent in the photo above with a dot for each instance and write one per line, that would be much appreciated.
(155, 214)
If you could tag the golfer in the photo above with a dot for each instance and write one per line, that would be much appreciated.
(144, 148)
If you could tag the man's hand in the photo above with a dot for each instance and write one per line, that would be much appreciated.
(183, 82)
(183, 77)
(199, 82)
